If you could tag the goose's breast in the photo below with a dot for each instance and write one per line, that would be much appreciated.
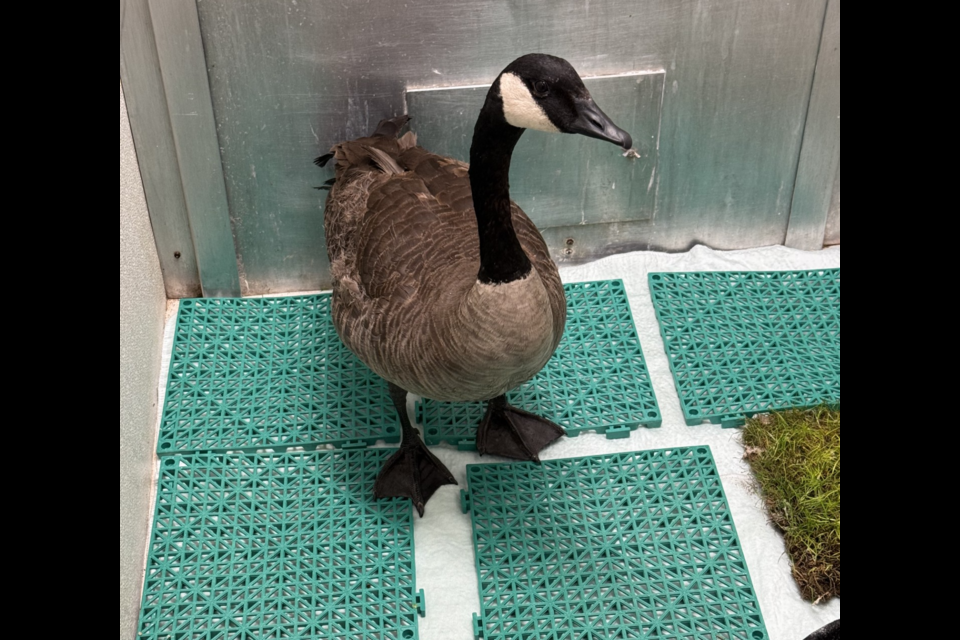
(501, 336)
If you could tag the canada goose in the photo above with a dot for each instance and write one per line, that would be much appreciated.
(442, 285)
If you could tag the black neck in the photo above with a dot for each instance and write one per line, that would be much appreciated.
(501, 257)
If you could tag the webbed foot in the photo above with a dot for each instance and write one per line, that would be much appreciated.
(412, 472)
(514, 433)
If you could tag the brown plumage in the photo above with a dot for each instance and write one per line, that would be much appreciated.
(442, 285)
(405, 254)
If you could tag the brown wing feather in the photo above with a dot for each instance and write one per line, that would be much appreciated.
(405, 251)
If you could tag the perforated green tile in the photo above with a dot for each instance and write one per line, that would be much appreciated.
(252, 546)
(596, 381)
(632, 545)
(742, 343)
(252, 374)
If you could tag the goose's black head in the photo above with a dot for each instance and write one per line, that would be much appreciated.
(544, 92)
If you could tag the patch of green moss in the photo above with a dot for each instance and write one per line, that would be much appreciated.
(795, 456)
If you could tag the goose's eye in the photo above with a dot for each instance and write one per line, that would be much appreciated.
(541, 88)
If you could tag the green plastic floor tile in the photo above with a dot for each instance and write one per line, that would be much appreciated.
(742, 343)
(268, 546)
(632, 545)
(256, 374)
(596, 381)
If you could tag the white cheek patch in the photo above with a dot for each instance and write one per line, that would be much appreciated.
(519, 107)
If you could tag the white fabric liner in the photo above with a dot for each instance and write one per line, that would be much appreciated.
(444, 539)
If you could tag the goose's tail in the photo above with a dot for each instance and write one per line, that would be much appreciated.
(388, 128)
(391, 127)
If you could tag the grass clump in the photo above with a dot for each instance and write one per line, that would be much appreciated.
(795, 456)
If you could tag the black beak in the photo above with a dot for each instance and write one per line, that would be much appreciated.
(593, 122)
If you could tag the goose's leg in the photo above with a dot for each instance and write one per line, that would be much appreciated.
(412, 472)
(514, 433)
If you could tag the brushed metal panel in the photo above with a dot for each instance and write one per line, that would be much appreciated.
(562, 180)
(156, 151)
(182, 65)
(289, 79)
(820, 157)
(832, 235)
